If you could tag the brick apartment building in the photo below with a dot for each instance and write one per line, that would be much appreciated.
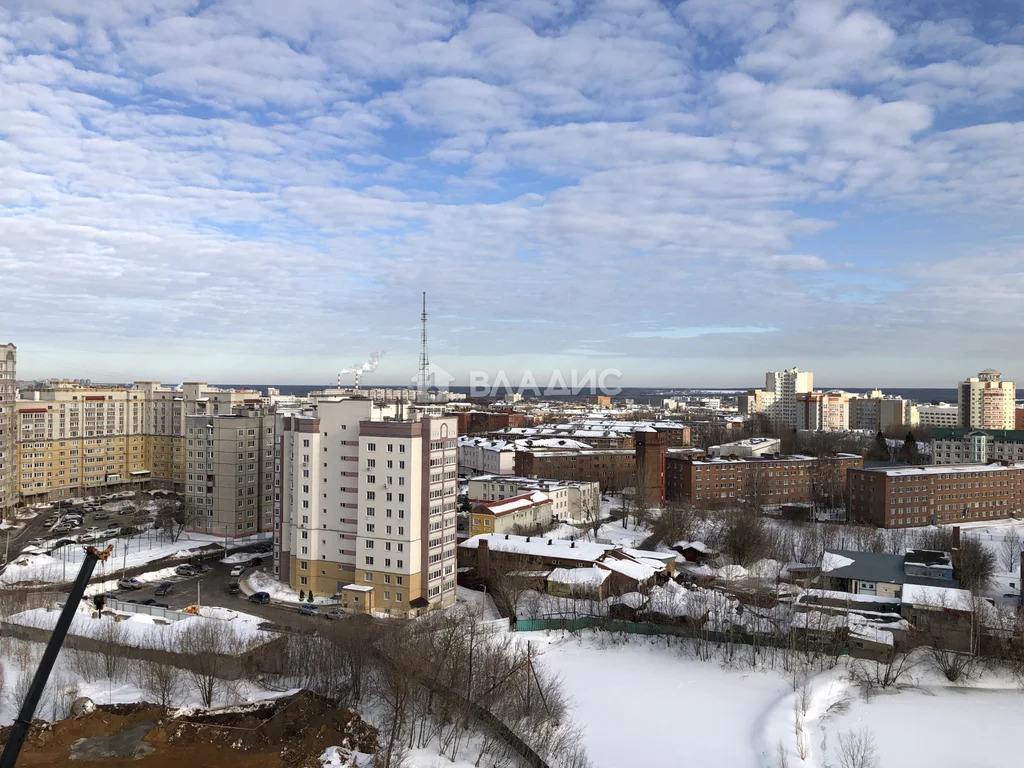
(774, 479)
(953, 493)
(613, 469)
(478, 422)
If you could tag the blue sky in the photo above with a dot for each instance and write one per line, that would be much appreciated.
(691, 193)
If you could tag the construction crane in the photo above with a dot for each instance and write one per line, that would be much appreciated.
(19, 730)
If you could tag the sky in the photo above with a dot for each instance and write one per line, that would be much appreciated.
(690, 193)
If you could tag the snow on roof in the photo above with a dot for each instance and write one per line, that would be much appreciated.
(356, 588)
(582, 577)
(553, 442)
(937, 597)
(764, 459)
(584, 551)
(731, 572)
(516, 503)
(645, 554)
(942, 469)
(633, 569)
(675, 600)
(699, 546)
(830, 561)
(848, 597)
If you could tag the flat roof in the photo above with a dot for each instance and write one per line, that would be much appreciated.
(941, 469)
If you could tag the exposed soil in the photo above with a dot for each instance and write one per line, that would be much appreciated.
(291, 733)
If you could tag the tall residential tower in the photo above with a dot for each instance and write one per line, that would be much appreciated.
(986, 401)
(8, 465)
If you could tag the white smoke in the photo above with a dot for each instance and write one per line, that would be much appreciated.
(368, 367)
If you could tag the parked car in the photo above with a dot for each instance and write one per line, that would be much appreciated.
(233, 588)
(256, 561)
(238, 570)
(85, 538)
(185, 570)
(63, 528)
(260, 597)
(150, 601)
(130, 583)
(100, 515)
(335, 613)
(164, 588)
(309, 610)
(37, 543)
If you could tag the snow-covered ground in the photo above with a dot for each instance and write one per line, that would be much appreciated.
(701, 713)
(142, 631)
(479, 603)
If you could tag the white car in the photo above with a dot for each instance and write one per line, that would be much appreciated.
(238, 570)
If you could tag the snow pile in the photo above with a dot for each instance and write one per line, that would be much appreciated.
(830, 561)
(238, 558)
(766, 568)
(731, 573)
(677, 601)
(336, 757)
(632, 600)
(257, 581)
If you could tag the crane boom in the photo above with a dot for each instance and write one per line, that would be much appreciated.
(28, 708)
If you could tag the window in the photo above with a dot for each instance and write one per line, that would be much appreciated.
(305, 443)
(370, 512)
(371, 478)
(371, 446)
(367, 577)
(372, 495)
(369, 528)
(303, 580)
(398, 580)
(369, 560)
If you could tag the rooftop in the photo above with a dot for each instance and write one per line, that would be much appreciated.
(943, 469)
(515, 503)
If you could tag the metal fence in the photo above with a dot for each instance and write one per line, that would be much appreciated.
(146, 610)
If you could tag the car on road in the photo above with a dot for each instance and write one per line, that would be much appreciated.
(255, 562)
(335, 613)
(185, 570)
(238, 570)
(64, 528)
(130, 583)
(101, 515)
(164, 588)
(37, 543)
(260, 597)
(233, 588)
(150, 601)
(309, 610)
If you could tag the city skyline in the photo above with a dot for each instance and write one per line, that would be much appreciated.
(690, 193)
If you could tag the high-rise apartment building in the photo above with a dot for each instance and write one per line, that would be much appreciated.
(74, 440)
(229, 472)
(986, 401)
(367, 501)
(786, 385)
(828, 411)
(8, 458)
(875, 412)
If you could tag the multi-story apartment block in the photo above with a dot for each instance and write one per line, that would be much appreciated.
(976, 446)
(484, 456)
(942, 415)
(229, 472)
(752, 446)
(368, 498)
(823, 411)
(876, 413)
(573, 501)
(527, 513)
(986, 401)
(771, 480)
(936, 494)
(755, 401)
(8, 458)
(786, 385)
(74, 440)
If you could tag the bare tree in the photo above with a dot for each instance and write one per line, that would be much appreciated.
(678, 522)
(857, 750)
(160, 680)
(745, 539)
(175, 516)
(1009, 551)
(205, 643)
(111, 635)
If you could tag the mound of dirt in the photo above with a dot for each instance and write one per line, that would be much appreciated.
(291, 732)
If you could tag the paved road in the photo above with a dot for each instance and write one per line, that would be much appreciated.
(211, 588)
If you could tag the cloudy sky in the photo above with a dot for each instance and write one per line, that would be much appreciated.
(689, 192)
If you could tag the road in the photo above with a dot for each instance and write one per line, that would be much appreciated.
(211, 588)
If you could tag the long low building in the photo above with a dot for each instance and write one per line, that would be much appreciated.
(901, 497)
(516, 514)
(976, 446)
(761, 480)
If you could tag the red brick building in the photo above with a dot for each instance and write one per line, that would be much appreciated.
(764, 480)
(477, 422)
(900, 497)
(613, 469)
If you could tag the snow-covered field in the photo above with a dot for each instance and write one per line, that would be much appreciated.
(641, 702)
(258, 581)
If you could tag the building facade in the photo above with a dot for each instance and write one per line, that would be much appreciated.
(572, 501)
(986, 401)
(822, 411)
(528, 512)
(229, 472)
(941, 415)
(368, 497)
(764, 481)
(75, 441)
(976, 446)
(483, 456)
(8, 453)
(877, 413)
(936, 494)
(785, 386)
(752, 446)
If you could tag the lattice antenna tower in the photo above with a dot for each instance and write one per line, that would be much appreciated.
(424, 383)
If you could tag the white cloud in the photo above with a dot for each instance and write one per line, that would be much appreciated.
(285, 179)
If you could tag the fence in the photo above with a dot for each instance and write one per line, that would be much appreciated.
(156, 611)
